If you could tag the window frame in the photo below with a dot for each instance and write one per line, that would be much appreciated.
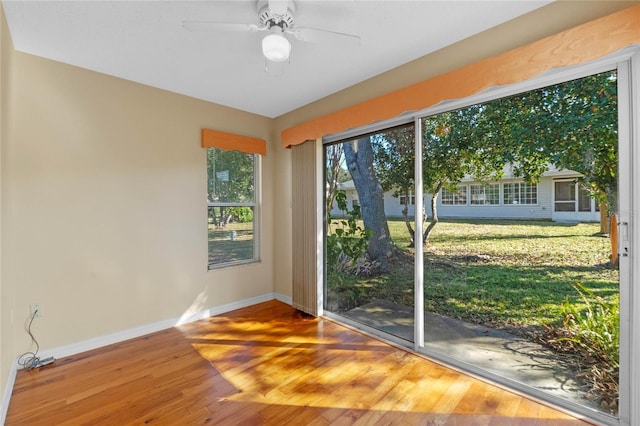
(455, 196)
(255, 205)
(403, 201)
(521, 194)
(484, 192)
(559, 201)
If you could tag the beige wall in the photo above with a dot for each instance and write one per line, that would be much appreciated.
(104, 219)
(5, 351)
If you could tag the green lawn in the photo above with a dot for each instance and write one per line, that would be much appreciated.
(494, 272)
(224, 249)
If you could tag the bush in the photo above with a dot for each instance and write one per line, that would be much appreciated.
(348, 241)
(597, 327)
(595, 333)
(241, 214)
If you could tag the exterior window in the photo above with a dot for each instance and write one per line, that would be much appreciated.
(584, 199)
(520, 193)
(485, 194)
(451, 198)
(232, 180)
(565, 196)
(403, 200)
(567, 193)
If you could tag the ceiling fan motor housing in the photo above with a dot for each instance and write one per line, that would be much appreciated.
(280, 13)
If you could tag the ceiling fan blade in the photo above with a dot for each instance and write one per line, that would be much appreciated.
(220, 26)
(314, 35)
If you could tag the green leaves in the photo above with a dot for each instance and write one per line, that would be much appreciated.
(571, 125)
(593, 328)
(230, 176)
(595, 324)
(345, 237)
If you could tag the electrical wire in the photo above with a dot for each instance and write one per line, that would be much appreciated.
(30, 360)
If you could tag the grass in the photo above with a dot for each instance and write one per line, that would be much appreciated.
(505, 274)
(224, 249)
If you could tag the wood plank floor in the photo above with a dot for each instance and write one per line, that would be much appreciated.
(266, 364)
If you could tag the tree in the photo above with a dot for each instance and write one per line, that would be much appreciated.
(394, 158)
(451, 151)
(572, 125)
(229, 180)
(335, 173)
(589, 141)
(359, 159)
(455, 147)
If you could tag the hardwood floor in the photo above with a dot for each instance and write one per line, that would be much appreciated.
(266, 364)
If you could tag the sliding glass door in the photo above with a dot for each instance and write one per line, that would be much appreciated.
(369, 233)
(511, 287)
(495, 252)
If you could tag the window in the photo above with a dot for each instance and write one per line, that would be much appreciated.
(567, 193)
(403, 200)
(485, 194)
(565, 196)
(520, 193)
(451, 198)
(584, 199)
(231, 185)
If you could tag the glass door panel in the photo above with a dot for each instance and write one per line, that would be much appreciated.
(507, 290)
(370, 207)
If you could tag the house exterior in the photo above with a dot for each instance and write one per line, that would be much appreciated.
(557, 197)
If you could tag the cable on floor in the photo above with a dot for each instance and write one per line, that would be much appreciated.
(30, 360)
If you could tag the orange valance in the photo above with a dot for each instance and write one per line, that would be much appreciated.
(578, 45)
(233, 142)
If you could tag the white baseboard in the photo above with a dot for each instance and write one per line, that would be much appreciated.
(8, 390)
(283, 298)
(120, 336)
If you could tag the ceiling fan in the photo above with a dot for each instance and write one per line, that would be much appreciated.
(277, 19)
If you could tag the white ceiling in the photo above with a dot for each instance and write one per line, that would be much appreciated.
(144, 41)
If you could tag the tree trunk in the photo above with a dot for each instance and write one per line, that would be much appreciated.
(405, 215)
(605, 220)
(334, 155)
(434, 214)
(359, 159)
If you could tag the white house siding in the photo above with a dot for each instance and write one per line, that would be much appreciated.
(543, 209)
(392, 205)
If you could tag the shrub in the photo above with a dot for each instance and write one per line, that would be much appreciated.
(349, 240)
(241, 214)
(596, 328)
(595, 332)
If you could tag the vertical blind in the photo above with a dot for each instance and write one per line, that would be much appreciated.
(305, 215)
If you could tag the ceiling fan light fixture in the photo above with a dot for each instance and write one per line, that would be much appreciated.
(276, 47)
